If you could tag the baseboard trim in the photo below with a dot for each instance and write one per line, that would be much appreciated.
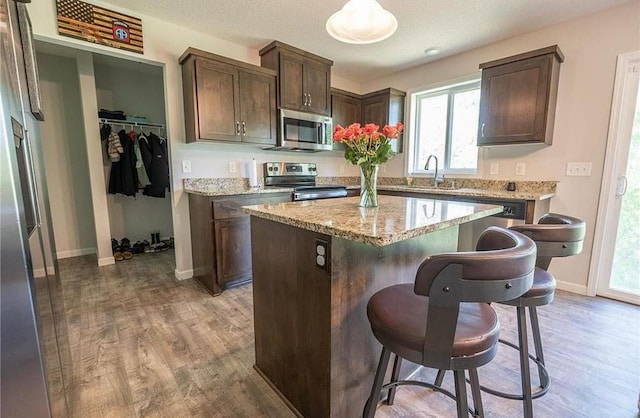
(106, 261)
(75, 253)
(184, 274)
(572, 287)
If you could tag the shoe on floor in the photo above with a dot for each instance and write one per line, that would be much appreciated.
(115, 248)
(125, 248)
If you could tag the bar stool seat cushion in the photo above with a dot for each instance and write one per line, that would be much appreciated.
(543, 284)
(398, 317)
(541, 292)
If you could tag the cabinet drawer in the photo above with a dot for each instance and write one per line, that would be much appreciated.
(231, 207)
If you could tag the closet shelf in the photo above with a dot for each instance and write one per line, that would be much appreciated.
(130, 123)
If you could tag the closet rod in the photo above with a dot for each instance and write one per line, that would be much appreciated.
(131, 123)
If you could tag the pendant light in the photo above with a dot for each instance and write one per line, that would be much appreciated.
(362, 22)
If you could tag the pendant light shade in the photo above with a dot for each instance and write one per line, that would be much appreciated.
(362, 22)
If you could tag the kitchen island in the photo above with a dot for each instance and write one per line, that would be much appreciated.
(315, 266)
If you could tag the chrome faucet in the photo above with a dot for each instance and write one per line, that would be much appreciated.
(436, 180)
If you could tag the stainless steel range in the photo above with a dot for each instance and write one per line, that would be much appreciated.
(302, 177)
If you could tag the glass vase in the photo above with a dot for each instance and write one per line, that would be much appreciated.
(368, 185)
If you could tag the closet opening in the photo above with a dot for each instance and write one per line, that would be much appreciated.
(106, 151)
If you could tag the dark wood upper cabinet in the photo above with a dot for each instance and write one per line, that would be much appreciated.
(227, 100)
(346, 108)
(518, 98)
(304, 79)
(382, 107)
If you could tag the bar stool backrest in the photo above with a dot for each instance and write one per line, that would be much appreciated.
(555, 236)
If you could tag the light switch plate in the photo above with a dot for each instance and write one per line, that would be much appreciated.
(520, 169)
(582, 169)
(494, 168)
(186, 166)
(232, 166)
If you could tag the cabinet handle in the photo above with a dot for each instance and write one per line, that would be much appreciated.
(244, 128)
(237, 128)
(305, 99)
(482, 130)
(309, 104)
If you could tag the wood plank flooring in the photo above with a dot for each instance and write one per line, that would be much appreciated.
(145, 345)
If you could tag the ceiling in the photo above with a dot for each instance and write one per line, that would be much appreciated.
(452, 25)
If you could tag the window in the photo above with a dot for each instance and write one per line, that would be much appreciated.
(445, 124)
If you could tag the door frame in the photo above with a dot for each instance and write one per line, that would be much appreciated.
(609, 206)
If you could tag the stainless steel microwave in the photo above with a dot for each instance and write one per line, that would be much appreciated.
(304, 131)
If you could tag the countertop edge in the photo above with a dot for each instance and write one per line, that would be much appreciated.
(354, 236)
(239, 191)
(488, 193)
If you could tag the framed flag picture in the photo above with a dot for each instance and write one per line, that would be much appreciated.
(81, 20)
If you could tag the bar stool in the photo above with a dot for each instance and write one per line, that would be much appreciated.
(444, 320)
(555, 236)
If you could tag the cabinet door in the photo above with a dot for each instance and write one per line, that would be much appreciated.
(385, 109)
(291, 82)
(514, 102)
(257, 107)
(345, 110)
(376, 110)
(233, 249)
(218, 102)
(317, 85)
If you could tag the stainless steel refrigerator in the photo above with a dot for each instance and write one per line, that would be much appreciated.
(23, 384)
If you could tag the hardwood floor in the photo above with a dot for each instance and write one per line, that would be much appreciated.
(143, 344)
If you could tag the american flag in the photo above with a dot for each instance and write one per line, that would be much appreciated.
(81, 20)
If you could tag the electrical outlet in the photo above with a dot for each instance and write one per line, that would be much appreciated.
(232, 166)
(384, 168)
(494, 168)
(341, 169)
(520, 169)
(579, 169)
(186, 166)
(322, 255)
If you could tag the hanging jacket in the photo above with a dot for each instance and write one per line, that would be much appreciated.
(155, 157)
(143, 177)
(114, 147)
(123, 177)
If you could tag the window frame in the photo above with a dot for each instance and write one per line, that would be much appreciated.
(451, 87)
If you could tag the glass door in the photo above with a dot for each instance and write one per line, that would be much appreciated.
(617, 248)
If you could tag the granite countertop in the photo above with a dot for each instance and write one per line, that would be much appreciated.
(227, 187)
(467, 187)
(395, 219)
(500, 194)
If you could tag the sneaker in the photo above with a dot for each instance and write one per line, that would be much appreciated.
(125, 248)
(115, 248)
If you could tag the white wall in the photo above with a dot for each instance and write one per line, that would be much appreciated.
(65, 157)
(590, 46)
(136, 90)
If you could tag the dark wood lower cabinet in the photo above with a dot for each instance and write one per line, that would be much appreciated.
(233, 249)
(221, 238)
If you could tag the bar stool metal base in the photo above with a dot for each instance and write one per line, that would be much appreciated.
(527, 395)
(423, 384)
(545, 380)
(460, 387)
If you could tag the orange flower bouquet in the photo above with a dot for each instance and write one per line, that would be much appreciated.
(367, 148)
